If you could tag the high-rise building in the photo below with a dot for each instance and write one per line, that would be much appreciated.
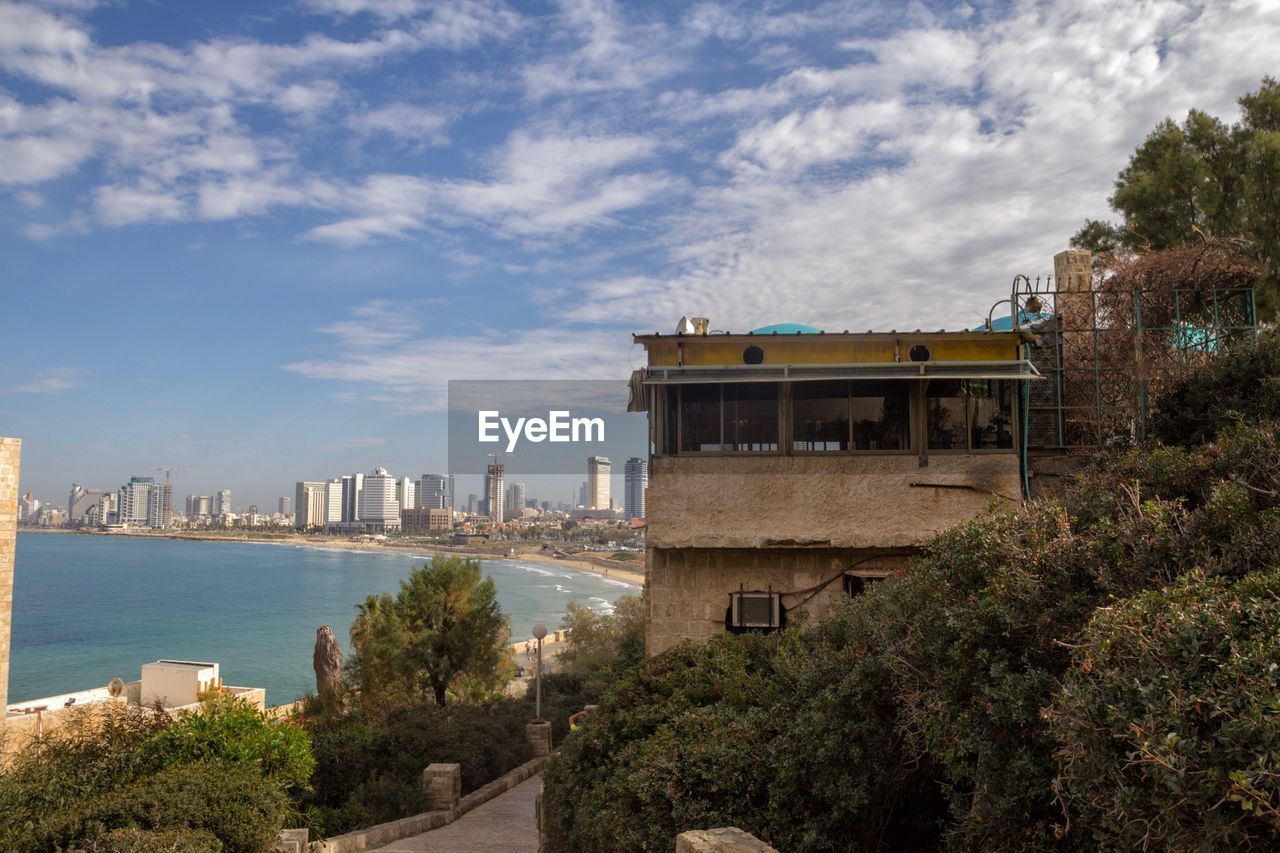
(28, 506)
(582, 494)
(199, 505)
(135, 500)
(160, 506)
(379, 504)
(493, 492)
(283, 506)
(352, 486)
(515, 500)
(599, 470)
(222, 505)
(473, 504)
(637, 478)
(80, 501)
(333, 501)
(310, 502)
(406, 493)
(435, 491)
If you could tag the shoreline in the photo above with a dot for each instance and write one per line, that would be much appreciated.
(581, 564)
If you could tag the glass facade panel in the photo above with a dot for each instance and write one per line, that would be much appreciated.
(699, 418)
(944, 401)
(751, 417)
(820, 416)
(990, 415)
(880, 415)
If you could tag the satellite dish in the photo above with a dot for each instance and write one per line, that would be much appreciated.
(115, 686)
(684, 327)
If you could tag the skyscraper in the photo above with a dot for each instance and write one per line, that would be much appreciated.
(309, 501)
(333, 501)
(406, 490)
(135, 500)
(352, 486)
(159, 505)
(515, 500)
(435, 491)
(379, 503)
(222, 504)
(599, 469)
(284, 506)
(637, 478)
(493, 492)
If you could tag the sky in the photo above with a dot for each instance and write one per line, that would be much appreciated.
(252, 241)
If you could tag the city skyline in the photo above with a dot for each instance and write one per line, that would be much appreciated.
(251, 242)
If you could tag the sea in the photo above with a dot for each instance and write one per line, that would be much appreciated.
(87, 609)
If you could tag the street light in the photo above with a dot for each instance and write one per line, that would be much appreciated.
(539, 631)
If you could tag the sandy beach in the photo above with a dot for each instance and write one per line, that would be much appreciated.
(621, 572)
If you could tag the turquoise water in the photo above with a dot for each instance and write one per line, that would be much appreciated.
(89, 608)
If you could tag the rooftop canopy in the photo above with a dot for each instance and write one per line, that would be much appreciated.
(786, 329)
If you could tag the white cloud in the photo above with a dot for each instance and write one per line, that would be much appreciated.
(402, 121)
(540, 185)
(907, 191)
(611, 53)
(53, 380)
(386, 358)
(123, 205)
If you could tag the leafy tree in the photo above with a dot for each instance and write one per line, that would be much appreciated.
(602, 646)
(1203, 175)
(443, 630)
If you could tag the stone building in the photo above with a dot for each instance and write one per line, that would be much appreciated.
(790, 466)
(10, 455)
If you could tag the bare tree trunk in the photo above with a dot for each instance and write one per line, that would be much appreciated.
(327, 662)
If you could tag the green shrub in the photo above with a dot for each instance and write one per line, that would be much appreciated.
(932, 684)
(1169, 720)
(86, 776)
(229, 729)
(1239, 385)
(602, 646)
(233, 802)
(369, 761)
(147, 841)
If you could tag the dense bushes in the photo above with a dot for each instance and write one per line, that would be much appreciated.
(369, 760)
(206, 781)
(919, 714)
(1169, 720)
(1241, 384)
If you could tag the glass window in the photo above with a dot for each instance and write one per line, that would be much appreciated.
(699, 418)
(990, 415)
(751, 417)
(669, 396)
(880, 415)
(820, 416)
(945, 414)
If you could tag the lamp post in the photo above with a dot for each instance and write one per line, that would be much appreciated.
(539, 631)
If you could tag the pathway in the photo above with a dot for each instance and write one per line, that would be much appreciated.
(505, 824)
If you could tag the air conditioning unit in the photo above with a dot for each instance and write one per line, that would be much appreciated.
(755, 610)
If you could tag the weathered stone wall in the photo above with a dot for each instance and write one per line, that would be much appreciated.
(721, 524)
(10, 453)
(856, 501)
(687, 590)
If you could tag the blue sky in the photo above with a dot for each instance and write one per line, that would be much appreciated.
(252, 241)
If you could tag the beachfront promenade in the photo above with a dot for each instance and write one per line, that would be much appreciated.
(506, 823)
